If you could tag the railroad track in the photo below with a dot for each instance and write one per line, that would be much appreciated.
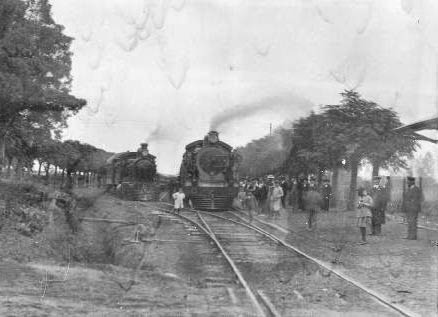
(200, 264)
(260, 303)
(261, 260)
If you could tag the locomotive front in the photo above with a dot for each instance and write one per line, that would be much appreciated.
(208, 173)
(134, 173)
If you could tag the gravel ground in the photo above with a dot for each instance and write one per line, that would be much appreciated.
(107, 278)
(295, 285)
(403, 270)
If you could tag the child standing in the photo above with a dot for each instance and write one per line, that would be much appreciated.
(179, 200)
(364, 213)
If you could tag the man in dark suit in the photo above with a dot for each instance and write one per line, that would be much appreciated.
(412, 207)
(285, 186)
(380, 199)
(326, 193)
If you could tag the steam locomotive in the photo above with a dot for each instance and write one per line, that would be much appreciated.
(133, 175)
(208, 173)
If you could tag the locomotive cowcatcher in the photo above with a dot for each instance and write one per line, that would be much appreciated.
(208, 173)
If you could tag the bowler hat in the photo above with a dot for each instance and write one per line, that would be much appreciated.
(410, 178)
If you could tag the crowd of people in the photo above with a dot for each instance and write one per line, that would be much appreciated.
(268, 195)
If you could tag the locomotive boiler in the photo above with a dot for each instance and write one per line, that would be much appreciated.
(133, 175)
(208, 173)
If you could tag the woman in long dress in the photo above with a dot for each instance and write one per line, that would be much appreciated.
(277, 193)
(364, 214)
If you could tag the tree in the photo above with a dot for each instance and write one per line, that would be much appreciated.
(263, 156)
(311, 151)
(35, 64)
(366, 131)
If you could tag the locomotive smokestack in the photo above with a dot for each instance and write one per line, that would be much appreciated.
(212, 136)
(143, 149)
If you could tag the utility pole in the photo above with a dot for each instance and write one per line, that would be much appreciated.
(270, 129)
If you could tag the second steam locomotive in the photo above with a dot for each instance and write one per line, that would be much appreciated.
(133, 173)
(208, 173)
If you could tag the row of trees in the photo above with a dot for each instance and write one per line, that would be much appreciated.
(341, 136)
(35, 83)
(54, 157)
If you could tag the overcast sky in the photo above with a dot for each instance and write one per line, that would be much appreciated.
(166, 71)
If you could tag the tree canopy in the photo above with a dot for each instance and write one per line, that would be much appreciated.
(353, 131)
(35, 65)
(263, 156)
(366, 131)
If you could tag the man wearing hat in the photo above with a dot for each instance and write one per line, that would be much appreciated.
(326, 193)
(285, 187)
(378, 193)
(412, 207)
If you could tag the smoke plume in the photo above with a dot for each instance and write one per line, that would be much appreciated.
(287, 105)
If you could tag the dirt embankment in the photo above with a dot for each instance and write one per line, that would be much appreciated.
(93, 267)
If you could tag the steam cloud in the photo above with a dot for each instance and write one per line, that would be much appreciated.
(287, 104)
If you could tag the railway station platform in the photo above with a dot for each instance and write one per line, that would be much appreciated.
(404, 271)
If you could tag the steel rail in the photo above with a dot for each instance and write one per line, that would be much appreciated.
(242, 280)
(207, 230)
(379, 297)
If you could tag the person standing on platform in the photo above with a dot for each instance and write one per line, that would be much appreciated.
(285, 187)
(241, 198)
(179, 200)
(256, 194)
(302, 188)
(412, 207)
(326, 193)
(293, 193)
(250, 202)
(275, 199)
(263, 197)
(364, 206)
(312, 204)
(379, 195)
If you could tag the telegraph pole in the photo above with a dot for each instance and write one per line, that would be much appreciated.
(270, 129)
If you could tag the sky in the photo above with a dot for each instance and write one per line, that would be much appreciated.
(166, 71)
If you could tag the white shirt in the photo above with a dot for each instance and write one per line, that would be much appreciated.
(179, 200)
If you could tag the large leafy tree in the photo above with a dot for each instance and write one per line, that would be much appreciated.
(35, 64)
(366, 131)
(311, 150)
(263, 156)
